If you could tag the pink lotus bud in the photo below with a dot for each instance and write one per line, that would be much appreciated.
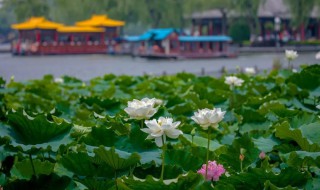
(262, 155)
(241, 157)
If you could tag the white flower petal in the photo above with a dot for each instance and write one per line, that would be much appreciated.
(158, 141)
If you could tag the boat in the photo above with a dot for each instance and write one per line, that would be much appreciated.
(39, 36)
(169, 43)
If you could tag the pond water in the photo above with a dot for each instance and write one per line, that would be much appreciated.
(86, 67)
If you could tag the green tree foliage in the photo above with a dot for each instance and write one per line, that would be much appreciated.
(239, 31)
(142, 14)
(249, 10)
(24, 9)
(300, 11)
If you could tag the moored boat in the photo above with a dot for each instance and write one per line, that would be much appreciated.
(169, 43)
(39, 36)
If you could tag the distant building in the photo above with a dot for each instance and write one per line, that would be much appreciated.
(210, 22)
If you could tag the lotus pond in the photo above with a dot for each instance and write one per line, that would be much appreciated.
(70, 134)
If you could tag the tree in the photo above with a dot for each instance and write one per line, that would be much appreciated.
(249, 10)
(24, 9)
(300, 11)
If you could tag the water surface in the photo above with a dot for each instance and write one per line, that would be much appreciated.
(86, 67)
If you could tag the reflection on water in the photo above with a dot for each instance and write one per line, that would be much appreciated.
(86, 67)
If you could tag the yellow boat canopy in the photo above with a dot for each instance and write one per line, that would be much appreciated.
(36, 23)
(71, 29)
(100, 21)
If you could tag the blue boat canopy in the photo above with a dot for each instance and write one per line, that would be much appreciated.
(132, 38)
(155, 34)
(204, 38)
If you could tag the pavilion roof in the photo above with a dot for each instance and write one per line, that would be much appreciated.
(100, 21)
(36, 23)
(79, 29)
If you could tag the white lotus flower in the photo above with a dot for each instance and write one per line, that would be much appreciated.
(318, 106)
(318, 55)
(158, 129)
(58, 80)
(233, 81)
(291, 55)
(250, 70)
(207, 117)
(154, 101)
(142, 109)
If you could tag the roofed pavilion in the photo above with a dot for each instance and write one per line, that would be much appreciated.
(210, 22)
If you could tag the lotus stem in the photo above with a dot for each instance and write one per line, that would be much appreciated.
(208, 149)
(289, 64)
(241, 167)
(32, 165)
(232, 97)
(163, 156)
(115, 178)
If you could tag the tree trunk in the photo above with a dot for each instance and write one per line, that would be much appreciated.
(155, 16)
(224, 20)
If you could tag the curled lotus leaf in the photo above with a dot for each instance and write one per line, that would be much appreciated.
(117, 160)
(28, 133)
(189, 180)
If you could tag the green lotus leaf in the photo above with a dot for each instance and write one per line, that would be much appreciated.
(315, 92)
(299, 105)
(253, 127)
(251, 115)
(308, 74)
(278, 108)
(311, 132)
(101, 136)
(283, 131)
(81, 164)
(231, 156)
(195, 99)
(116, 160)
(38, 129)
(302, 119)
(151, 156)
(13, 139)
(75, 185)
(2, 179)
(269, 186)
(186, 76)
(136, 141)
(182, 109)
(186, 181)
(95, 183)
(217, 97)
(23, 169)
(256, 178)
(183, 158)
(111, 105)
(256, 101)
(313, 183)
(265, 144)
(301, 159)
(103, 87)
(200, 141)
(115, 123)
(170, 171)
(47, 182)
